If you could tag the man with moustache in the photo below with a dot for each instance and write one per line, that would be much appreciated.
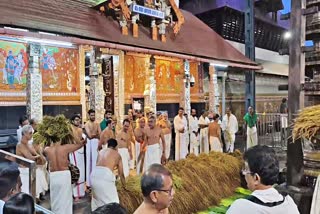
(139, 134)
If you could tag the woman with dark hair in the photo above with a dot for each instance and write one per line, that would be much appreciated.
(21, 203)
(261, 172)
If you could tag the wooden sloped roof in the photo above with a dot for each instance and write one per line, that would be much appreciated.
(76, 18)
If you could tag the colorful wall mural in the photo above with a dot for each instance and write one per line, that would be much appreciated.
(59, 68)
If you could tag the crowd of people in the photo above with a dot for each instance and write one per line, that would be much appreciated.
(140, 141)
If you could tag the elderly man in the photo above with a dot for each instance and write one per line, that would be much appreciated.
(194, 132)
(181, 126)
(10, 182)
(261, 172)
(157, 189)
(251, 119)
(165, 125)
(203, 124)
(230, 128)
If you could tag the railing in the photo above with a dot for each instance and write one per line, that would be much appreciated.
(25, 163)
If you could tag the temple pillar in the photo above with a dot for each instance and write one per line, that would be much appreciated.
(120, 89)
(213, 90)
(150, 97)
(96, 98)
(82, 66)
(186, 97)
(34, 83)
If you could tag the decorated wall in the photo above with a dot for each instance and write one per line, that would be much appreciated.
(59, 68)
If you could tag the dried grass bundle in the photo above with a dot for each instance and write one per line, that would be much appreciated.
(200, 182)
(306, 125)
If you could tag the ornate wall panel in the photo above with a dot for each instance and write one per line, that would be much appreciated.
(108, 85)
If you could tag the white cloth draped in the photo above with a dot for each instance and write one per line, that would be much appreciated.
(137, 147)
(133, 150)
(77, 158)
(167, 138)
(24, 175)
(252, 137)
(61, 192)
(91, 155)
(41, 180)
(315, 206)
(124, 153)
(230, 128)
(104, 189)
(215, 144)
(181, 144)
(153, 155)
(204, 144)
(194, 140)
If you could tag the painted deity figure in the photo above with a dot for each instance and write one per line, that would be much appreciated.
(11, 64)
(20, 64)
(49, 63)
(3, 66)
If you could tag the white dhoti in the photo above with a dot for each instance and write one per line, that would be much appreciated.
(181, 148)
(61, 192)
(133, 150)
(194, 144)
(215, 144)
(204, 144)
(252, 137)
(153, 155)
(104, 189)
(137, 147)
(91, 155)
(24, 175)
(229, 139)
(124, 153)
(77, 158)
(167, 138)
(41, 180)
(315, 206)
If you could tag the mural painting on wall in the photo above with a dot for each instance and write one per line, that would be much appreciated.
(169, 76)
(136, 68)
(59, 68)
(13, 66)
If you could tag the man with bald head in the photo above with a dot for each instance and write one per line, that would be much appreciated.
(157, 189)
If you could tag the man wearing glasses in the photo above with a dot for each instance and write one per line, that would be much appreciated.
(261, 173)
(157, 190)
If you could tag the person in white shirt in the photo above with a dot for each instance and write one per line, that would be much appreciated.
(180, 126)
(10, 182)
(194, 132)
(261, 173)
(230, 128)
(203, 124)
(23, 120)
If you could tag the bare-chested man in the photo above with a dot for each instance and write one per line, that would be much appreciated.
(93, 132)
(152, 142)
(124, 146)
(77, 157)
(214, 135)
(60, 177)
(103, 180)
(165, 125)
(139, 134)
(27, 151)
(106, 134)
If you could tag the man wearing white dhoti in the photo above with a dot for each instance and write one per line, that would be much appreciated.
(180, 126)
(230, 128)
(139, 135)
(93, 132)
(214, 134)
(194, 132)
(203, 125)
(124, 146)
(165, 125)
(251, 119)
(77, 157)
(152, 143)
(60, 176)
(104, 189)
(27, 151)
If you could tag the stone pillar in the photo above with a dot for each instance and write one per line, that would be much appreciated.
(150, 95)
(34, 83)
(96, 88)
(121, 87)
(187, 102)
(212, 83)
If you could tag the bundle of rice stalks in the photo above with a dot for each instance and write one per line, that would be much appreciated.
(199, 182)
(53, 130)
(307, 123)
